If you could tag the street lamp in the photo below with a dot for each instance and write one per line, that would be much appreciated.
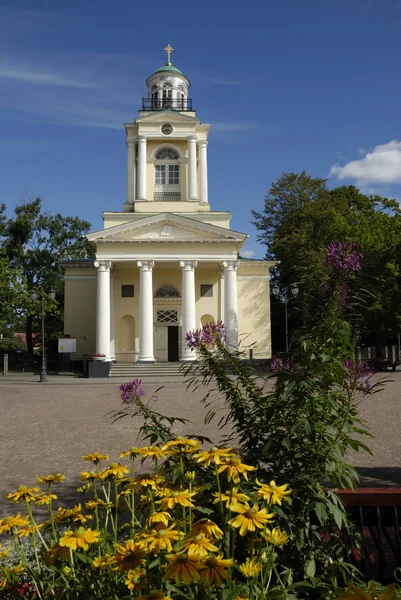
(286, 299)
(34, 296)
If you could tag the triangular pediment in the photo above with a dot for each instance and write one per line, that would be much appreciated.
(170, 116)
(165, 227)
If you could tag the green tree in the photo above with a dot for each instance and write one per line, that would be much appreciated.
(35, 245)
(301, 216)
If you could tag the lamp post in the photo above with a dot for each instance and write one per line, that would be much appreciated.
(34, 296)
(286, 299)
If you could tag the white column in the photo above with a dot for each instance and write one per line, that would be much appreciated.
(131, 170)
(146, 312)
(188, 306)
(112, 341)
(222, 290)
(103, 308)
(141, 168)
(231, 302)
(203, 196)
(192, 179)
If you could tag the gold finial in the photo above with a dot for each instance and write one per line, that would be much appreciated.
(169, 50)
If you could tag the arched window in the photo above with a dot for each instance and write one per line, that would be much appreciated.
(154, 96)
(181, 95)
(167, 94)
(167, 154)
(167, 291)
(167, 175)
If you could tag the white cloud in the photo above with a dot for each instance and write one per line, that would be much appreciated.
(381, 165)
(25, 73)
(248, 253)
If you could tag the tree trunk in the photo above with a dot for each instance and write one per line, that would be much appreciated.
(28, 331)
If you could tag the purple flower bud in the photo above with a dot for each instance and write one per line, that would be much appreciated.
(343, 256)
(132, 391)
(359, 374)
(208, 335)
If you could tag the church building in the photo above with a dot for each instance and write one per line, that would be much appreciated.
(165, 264)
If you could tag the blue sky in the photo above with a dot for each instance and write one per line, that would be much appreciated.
(286, 85)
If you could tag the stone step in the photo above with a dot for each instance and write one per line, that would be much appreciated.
(132, 370)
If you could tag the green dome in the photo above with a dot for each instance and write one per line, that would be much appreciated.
(169, 69)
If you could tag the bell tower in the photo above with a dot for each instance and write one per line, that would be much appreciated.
(167, 148)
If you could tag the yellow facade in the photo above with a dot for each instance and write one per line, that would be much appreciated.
(166, 235)
(253, 306)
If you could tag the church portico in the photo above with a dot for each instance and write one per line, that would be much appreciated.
(146, 307)
(166, 264)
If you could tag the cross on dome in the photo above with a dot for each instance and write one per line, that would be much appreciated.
(169, 50)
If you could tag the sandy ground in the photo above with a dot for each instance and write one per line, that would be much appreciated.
(46, 428)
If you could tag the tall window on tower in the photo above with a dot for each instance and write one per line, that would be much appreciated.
(167, 95)
(167, 175)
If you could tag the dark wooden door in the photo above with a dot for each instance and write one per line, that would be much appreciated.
(172, 355)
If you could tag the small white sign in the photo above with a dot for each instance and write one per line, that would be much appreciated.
(67, 345)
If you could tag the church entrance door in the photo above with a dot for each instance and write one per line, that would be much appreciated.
(173, 354)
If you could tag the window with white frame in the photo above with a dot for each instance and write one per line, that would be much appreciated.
(167, 171)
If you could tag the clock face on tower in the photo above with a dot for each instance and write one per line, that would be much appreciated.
(167, 129)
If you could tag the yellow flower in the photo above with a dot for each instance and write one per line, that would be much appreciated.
(249, 519)
(132, 452)
(23, 494)
(183, 568)
(214, 455)
(58, 478)
(135, 579)
(54, 552)
(4, 553)
(30, 530)
(12, 571)
(114, 471)
(231, 499)
(251, 568)
(8, 523)
(145, 480)
(80, 538)
(92, 504)
(199, 545)
(356, 593)
(45, 499)
(161, 538)
(213, 569)
(235, 468)
(275, 536)
(173, 497)
(158, 517)
(209, 528)
(272, 493)
(75, 514)
(180, 444)
(189, 475)
(102, 562)
(130, 556)
(152, 452)
(95, 457)
(90, 476)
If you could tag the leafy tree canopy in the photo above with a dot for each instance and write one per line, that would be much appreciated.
(34, 245)
(301, 216)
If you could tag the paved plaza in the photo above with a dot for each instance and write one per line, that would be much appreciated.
(46, 428)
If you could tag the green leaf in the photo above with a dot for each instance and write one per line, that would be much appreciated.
(321, 513)
(203, 510)
(310, 568)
